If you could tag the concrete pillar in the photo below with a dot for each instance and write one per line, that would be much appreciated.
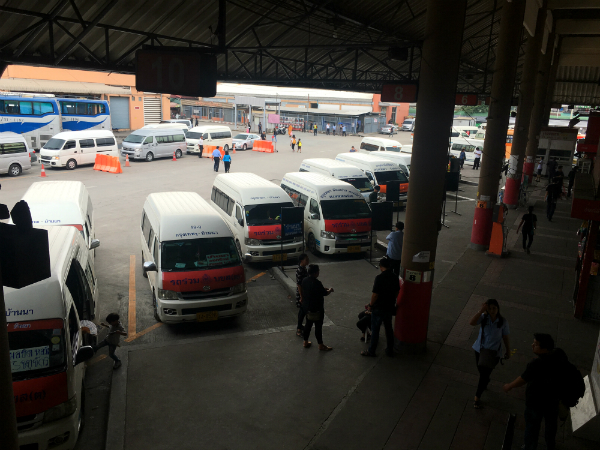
(435, 109)
(494, 147)
(526, 94)
(551, 83)
(538, 111)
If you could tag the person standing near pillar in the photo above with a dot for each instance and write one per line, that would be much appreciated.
(394, 249)
(488, 347)
(477, 154)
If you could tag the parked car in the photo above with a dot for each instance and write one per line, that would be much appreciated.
(387, 129)
(408, 125)
(244, 141)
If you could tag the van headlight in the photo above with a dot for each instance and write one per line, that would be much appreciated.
(164, 294)
(327, 234)
(252, 241)
(55, 158)
(60, 411)
(238, 288)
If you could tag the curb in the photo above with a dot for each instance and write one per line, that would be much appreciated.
(286, 282)
(470, 183)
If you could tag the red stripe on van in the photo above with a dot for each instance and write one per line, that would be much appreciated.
(47, 324)
(40, 394)
(203, 280)
(264, 232)
(348, 226)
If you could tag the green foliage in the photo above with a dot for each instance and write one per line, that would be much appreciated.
(472, 110)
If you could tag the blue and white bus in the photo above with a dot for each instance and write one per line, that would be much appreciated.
(84, 114)
(36, 118)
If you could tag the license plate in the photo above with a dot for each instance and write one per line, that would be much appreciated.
(207, 316)
(278, 257)
(354, 249)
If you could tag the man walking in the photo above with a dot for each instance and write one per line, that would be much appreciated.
(216, 156)
(529, 223)
(259, 128)
(382, 304)
(552, 194)
(551, 168)
(394, 249)
(477, 154)
(572, 175)
(313, 293)
(541, 394)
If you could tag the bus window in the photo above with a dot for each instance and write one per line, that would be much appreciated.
(26, 108)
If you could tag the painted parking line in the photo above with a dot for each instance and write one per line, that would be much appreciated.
(141, 333)
(97, 359)
(257, 276)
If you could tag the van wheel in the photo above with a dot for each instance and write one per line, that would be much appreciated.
(149, 156)
(178, 154)
(239, 248)
(14, 170)
(71, 164)
(312, 244)
(245, 147)
(144, 273)
(226, 148)
(155, 308)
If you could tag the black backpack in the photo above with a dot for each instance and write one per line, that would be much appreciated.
(571, 386)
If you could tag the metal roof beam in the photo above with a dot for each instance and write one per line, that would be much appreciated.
(78, 14)
(84, 47)
(12, 39)
(34, 34)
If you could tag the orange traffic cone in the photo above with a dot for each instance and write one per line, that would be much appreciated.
(174, 157)
(127, 161)
(43, 174)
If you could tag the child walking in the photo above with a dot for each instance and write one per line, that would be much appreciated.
(115, 331)
(299, 146)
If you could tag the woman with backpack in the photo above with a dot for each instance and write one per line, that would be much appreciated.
(488, 348)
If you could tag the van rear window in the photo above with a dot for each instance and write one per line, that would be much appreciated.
(105, 142)
(12, 147)
(198, 254)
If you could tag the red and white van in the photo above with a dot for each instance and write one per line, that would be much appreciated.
(47, 346)
(191, 260)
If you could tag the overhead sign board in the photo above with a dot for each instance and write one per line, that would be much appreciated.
(399, 93)
(466, 99)
(176, 71)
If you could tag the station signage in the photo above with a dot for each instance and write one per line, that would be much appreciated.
(399, 93)
(466, 99)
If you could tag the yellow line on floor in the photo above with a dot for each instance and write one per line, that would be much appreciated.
(257, 276)
(97, 359)
(131, 315)
(140, 334)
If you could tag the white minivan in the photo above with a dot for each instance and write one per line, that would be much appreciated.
(75, 148)
(375, 144)
(402, 159)
(48, 346)
(190, 258)
(337, 219)
(151, 143)
(167, 125)
(217, 135)
(62, 203)
(341, 171)
(14, 154)
(252, 206)
(378, 170)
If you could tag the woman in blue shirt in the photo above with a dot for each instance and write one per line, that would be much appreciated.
(227, 161)
(494, 330)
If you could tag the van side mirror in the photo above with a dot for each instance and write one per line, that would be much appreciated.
(95, 243)
(241, 222)
(150, 266)
(315, 216)
(83, 354)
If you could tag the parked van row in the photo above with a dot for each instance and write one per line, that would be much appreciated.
(342, 171)
(15, 156)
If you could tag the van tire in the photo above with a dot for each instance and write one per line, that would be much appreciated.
(144, 273)
(149, 156)
(245, 147)
(71, 164)
(154, 309)
(14, 170)
(178, 153)
(312, 244)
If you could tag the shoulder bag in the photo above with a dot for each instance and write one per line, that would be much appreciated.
(487, 358)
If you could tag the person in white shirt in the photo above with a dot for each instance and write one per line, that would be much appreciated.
(327, 128)
(200, 146)
(477, 154)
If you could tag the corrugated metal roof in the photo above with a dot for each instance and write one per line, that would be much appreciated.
(67, 87)
(577, 85)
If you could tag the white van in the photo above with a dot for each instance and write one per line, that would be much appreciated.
(402, 159)
(378, 170)
(375, 144)
(408, 125)
(62, 203)
(186, 122)
(191, 260)
(167, 125)
(48, 347)
(341, 171)
(337, 219)
(15, 156)
(74, 148)
(151, 143)
(212, 134)
(252, 206)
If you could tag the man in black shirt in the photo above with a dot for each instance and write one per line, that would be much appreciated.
(541, 395)
(373, 196)
(383, 301)
(301, 274)
(313, 301)
(552, 195)
(529, 222)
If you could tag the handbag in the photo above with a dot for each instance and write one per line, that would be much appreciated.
(315, 316)
(487, 358)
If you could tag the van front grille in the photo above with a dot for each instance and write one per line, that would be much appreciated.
(186, 311)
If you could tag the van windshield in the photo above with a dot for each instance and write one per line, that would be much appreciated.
(54, 144)
(196, 135)
(345, 209)
(265, 214)
(199, 254)
(392, 175)
(407, 122)
(392, 149)
(37, 348)
(134, 138)
(362, 184)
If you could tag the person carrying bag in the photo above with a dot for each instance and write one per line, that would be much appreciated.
(488, 348)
